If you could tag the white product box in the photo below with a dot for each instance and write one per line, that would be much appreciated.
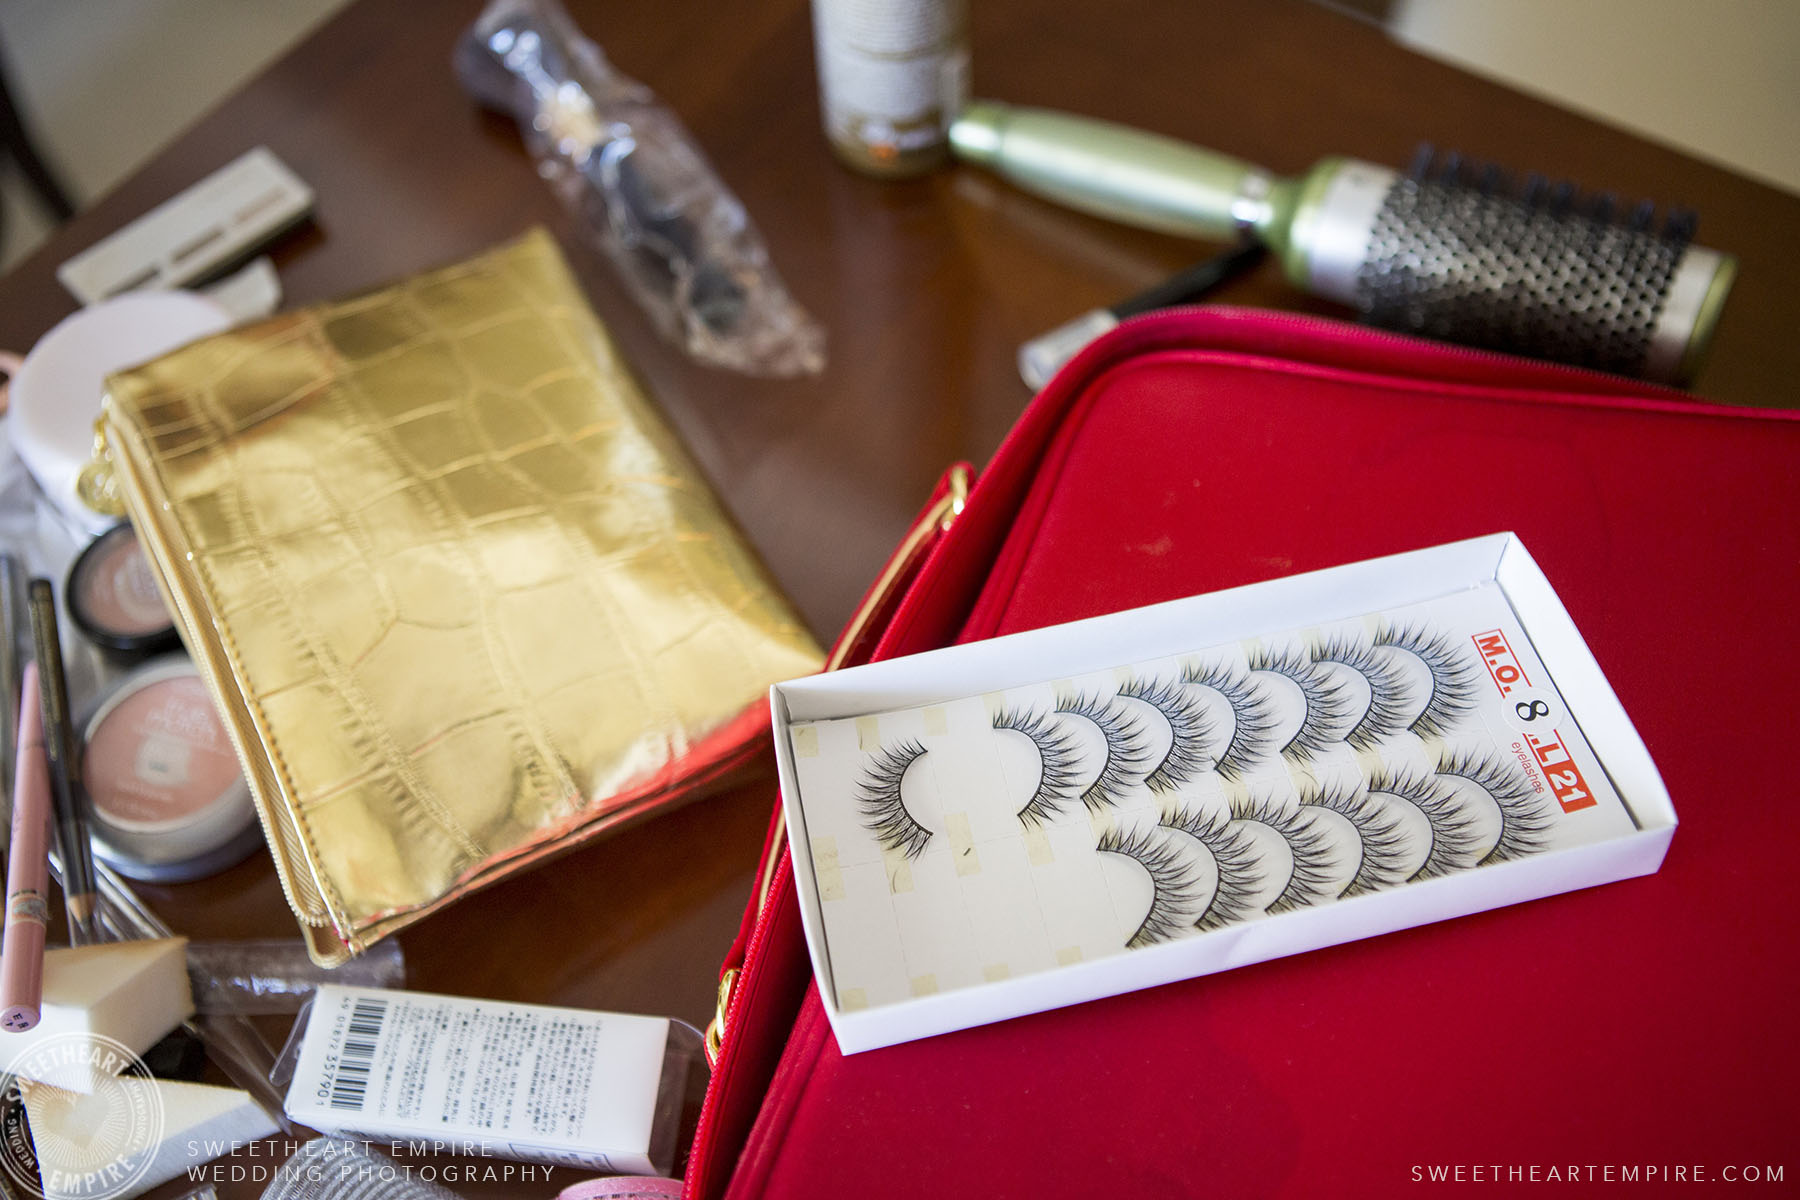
(562, 1086)
(973, 890)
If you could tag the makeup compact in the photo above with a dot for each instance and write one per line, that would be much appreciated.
(113, 596)
(169, 800)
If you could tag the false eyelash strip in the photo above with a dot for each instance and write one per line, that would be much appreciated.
(1388, 691)
(1328, 707)
(1524, 821)
(1454, 832)
(1234, 854)
(1174, 888)
(1189, 731)
(883, 808)
(1127, 753)
(1057, 763)
(1454, 679)
(1381, 838)
(1252, 716)
(1309, 880)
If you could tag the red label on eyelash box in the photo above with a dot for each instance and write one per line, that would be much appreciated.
(1570, 789)
(1565, 778)
(1497, 656)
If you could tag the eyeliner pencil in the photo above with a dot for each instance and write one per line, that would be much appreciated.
(67, 795)
(27, 871)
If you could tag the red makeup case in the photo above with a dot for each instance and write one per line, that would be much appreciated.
(1624, 1031)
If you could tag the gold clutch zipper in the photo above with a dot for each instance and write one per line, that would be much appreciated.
(109, 474)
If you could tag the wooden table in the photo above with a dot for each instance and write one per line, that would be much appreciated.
(927, 288)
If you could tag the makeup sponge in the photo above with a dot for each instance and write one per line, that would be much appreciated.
(132, 993)
(134, 1133)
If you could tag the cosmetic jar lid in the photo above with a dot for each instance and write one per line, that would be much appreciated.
(114, 599)
(58, 392)
(167, 796)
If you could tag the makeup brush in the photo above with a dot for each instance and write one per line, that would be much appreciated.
(1447, 250)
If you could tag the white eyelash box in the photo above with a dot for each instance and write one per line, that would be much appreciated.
(997, 916)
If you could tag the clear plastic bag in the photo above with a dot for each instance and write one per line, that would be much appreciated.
(273, 976)
(624, 164)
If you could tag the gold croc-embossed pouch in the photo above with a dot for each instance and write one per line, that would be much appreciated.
(460, 594)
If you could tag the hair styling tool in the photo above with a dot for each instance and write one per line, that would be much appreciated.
(1446, 250)
(1044, 355)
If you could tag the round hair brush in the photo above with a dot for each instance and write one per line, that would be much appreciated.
(1446, 250)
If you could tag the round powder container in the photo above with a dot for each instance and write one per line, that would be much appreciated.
(113, 597)
(169, 802)
(58, 392)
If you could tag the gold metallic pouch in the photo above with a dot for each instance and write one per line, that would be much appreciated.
(461, 596)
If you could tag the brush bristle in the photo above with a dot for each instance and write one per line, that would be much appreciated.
(1462, 252)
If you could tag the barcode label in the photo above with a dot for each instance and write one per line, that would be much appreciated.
(559, 1086)
(350, 1083)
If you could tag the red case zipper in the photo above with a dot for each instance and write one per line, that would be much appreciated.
(737, 980)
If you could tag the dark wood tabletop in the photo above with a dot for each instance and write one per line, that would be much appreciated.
(926, 289)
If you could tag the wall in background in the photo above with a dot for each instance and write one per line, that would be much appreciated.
(1718, 79)
(105, 84)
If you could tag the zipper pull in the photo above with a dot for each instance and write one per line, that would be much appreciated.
(957, 496)
(97, 486)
